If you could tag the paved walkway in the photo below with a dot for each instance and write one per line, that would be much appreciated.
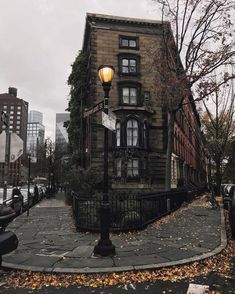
(49, 242)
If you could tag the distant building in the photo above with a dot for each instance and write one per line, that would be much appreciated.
(61, 134)
(17, 110)
(35, 132)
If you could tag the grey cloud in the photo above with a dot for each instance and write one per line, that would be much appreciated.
(39, 41)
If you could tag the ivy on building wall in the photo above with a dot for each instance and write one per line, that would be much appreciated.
(77, 81)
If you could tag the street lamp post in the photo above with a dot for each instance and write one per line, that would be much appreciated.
(29, 174)
(105, 246)
(5, 120)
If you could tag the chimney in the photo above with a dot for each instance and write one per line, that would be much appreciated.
(12, 91)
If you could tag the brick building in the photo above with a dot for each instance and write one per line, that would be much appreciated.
(17, 111)
(137, 150)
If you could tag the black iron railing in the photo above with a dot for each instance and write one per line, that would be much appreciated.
(128, 211)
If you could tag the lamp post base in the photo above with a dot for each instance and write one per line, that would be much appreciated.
(104, 248)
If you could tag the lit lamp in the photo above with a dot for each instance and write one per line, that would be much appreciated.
(105, 246)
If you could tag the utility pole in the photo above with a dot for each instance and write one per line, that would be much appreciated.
(5, 120)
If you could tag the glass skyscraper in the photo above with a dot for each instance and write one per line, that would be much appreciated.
(61, 134)
(35, 132)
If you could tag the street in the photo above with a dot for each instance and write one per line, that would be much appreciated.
(216, 282)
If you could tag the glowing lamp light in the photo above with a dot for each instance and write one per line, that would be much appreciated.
(106, 73)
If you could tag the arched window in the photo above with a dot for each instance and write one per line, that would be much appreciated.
(118, 134)
(132, 132)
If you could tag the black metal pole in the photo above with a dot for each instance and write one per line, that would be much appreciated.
(29, 166)
(105, 246)
(7, 157)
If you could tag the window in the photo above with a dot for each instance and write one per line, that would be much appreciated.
(129, 42)
(132, 132)
(128, 64)
(18, 112)
(119, 167)
(146, 97)
(4, 106)
(145, 136)
(12, 107)
(133, 168)
(118, 134)
(129, 95)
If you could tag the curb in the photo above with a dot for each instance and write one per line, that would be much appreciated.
(88, 270)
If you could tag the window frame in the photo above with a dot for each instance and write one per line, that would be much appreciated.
(133, 176)
(128, 39)
(116, 134)
(118, 167)
(130, 85)
(128, 57)
(132, 133)
(145, 135)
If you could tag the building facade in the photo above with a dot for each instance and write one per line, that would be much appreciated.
(17, 111)
(137, 150)
(61, 134)
(35, 132)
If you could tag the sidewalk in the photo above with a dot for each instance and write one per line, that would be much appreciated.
(49, 242)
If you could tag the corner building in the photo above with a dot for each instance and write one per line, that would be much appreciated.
(137, 150)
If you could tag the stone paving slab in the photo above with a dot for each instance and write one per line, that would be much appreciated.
(48, 241)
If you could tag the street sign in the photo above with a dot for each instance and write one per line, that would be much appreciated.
(94, 109)
(109, 120)
(16, 148)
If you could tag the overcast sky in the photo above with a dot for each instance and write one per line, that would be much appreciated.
(39, 40)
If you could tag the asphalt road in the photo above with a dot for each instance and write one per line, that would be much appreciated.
(213, 280)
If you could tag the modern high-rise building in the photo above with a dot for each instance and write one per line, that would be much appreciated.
(35, 132)
(17, 111)
(61, 134)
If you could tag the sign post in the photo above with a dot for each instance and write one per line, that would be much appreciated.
(5, 120)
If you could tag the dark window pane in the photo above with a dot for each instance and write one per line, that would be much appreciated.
(125, 69)
(132, 62)
(125, 42)
(132, 43)
(132, 69)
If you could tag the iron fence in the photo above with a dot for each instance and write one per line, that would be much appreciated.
(128, 211)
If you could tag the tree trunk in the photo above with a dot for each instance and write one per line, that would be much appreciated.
(170, 141)
(218, 177)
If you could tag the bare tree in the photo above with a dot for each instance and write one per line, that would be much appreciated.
(219, 129)
(199, 43)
